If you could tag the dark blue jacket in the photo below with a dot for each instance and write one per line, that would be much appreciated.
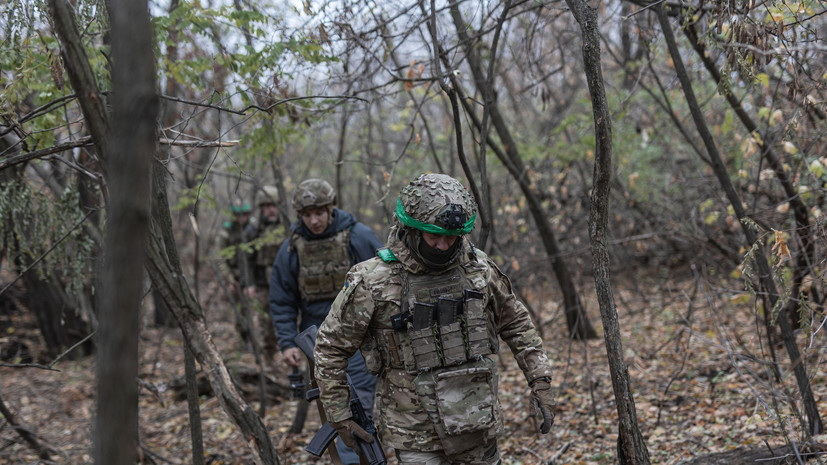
(286, 303)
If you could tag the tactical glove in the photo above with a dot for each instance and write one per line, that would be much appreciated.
(543, 401)
(349, 430)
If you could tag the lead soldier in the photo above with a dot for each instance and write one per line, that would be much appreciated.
(426, 315)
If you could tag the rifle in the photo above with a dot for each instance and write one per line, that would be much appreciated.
(371, 452)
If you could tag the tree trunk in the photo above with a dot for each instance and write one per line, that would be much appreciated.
(59, 322)
(132, 144)
(631, 447)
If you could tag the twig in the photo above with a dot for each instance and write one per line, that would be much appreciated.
(562, 450)
(43, 451)
(57, 359)
(249, 107)
(530, 451)
(27, 365)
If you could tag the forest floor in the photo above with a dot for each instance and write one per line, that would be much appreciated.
(697, 367)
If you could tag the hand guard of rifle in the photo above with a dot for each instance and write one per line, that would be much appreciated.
(297, 387)
(364, 433)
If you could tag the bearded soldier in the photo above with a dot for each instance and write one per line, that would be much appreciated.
(265, 237)
(308, 273)
(426, 314)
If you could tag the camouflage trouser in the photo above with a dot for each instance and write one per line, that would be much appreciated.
(263, 324)
(485, 454)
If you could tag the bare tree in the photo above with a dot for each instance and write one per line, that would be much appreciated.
(631, 447)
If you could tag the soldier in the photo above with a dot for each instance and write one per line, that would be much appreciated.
(308, 273)
(234, 263)
(265, 236)
(426, 315)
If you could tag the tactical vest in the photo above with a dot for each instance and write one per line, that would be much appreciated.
(443, 323)
(439, 342)
(266, 254)
(323, 264)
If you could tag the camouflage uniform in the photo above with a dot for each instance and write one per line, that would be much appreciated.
(234, 263)
(265, 236)
(232, 234)
(437, 386)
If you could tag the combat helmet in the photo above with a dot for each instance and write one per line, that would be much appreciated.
(239, 206)
(270, 195)
(437, 204)
(313, 193)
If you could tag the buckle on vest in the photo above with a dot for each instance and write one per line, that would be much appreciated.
(399, 322)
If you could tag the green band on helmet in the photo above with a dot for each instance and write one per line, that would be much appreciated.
(431, 228)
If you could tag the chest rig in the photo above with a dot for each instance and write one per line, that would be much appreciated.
(268, 251)
(443, 323)
(323, 264)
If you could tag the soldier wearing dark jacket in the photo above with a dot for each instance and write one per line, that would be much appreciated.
(427, 314)
(308, 273)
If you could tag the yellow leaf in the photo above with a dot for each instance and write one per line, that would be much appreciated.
(757, 138)
(780, 246)
(740, 299)
(776, 117)
(790, 148)
(632, 178)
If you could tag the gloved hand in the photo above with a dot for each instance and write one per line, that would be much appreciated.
(543, 401)
(349, 430)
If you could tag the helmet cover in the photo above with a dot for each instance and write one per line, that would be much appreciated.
(271, 195)
(312, 193)
(437, 204)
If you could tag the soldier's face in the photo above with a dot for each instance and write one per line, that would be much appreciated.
(438, 241)
(269, 212)
(316, 219)
(242, 218)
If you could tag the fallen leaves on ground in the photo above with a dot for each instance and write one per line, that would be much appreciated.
(699, 375)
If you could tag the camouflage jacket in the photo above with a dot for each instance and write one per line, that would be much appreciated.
(227, 241)
(411, 413)
(265, 238)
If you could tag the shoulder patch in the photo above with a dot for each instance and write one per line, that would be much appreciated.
(386, 255)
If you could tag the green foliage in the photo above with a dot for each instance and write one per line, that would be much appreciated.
(31, 71)
(34, 223)
(243, 42)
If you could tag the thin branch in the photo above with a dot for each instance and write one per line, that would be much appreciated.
(87, 141)
(24, 157)
(266, 109)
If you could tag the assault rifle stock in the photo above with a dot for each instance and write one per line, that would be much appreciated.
(371, 452)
